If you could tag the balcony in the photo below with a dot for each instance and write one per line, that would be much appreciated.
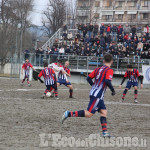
(83, 8)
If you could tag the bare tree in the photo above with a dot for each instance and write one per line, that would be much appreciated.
(12, 13)
(71, 12)
(54, 16)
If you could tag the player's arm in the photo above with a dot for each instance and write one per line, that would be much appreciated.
(90, 77)
(109, 76)
(22, 69)
(124, 78)
(39, 77)
(55, 79)
(140, 78)
(32, 67)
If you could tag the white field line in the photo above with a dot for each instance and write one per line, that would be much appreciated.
(74, 101)
(76, 89)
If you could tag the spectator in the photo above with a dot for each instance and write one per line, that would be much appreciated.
(120, 29)
(87, 52)
(69, 36)
(41, 56)
(67, 51)
(82, 51)
(26, 53)
(90, 30)
(61, 51)
(143, 55)
(108, 30)
(48, 51)
(126, 29)
(37, 53)
(114, 33)
(65, 28)
(95, 31)
(84, 30)
(140, 47)
(120, 38)
(102, 29)
(148, 55)
(133, 29)
(80, 29)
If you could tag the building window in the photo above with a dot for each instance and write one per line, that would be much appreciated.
(145, 16)
(97, 4)
(120, 3)
(96, 15)
(120, 16)
(145, 3)
(132, 17)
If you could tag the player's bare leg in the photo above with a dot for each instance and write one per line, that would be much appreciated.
(124, 94)
(135, 94)
(70, 91)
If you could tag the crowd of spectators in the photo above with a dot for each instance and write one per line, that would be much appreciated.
(92, 40)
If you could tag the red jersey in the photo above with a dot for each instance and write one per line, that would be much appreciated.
(99, 87)
(47, 73)
(27, 66)
(132, 75)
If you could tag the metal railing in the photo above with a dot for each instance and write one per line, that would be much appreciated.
(51, 41)
(86, 64)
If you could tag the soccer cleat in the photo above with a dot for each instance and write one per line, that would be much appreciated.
(65, 116)
(72, 97)
(106, 134)
(21, 84)
(57, 98)
(135, 101)
(122, 100)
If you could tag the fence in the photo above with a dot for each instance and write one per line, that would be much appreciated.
(81, 64)
(86, 64)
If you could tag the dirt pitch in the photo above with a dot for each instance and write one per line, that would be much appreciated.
(24, 116)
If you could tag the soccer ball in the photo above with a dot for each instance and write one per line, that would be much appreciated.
(48, 94)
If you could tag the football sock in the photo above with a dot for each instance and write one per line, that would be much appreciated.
(28, 81)
(23, 80)
(80, 113)
(103, 121)
(124, 93)
(71, 92)
(135, 94)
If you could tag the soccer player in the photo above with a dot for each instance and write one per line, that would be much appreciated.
(133, 75)
(103, 77)
(49, 78)
(26, 67)
(62, 78)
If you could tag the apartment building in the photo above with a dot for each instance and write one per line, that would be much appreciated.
(113, 11)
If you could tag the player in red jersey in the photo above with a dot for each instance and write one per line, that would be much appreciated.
(103, 77)
(133, 75)
(62, 78)
(49, 78)
(26, 67)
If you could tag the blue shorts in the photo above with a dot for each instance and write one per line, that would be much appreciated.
(95, 104)
(64, 82)
(130, 84)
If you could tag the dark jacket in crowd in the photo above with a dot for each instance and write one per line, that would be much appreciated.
(114, 29)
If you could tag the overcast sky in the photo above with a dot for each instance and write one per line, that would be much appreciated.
(39, 6)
